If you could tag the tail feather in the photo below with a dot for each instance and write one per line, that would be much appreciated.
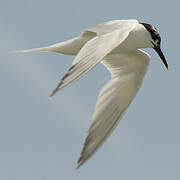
(42, 49)
(69, 47)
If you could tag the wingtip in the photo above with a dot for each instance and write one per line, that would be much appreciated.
(53, 93)
(79, 163)
(59, 87)
(78, 166)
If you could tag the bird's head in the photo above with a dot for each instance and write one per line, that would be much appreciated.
(156, 42)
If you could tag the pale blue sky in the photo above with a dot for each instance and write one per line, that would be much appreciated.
(41, 137)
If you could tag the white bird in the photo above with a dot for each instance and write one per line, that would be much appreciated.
(116, 44)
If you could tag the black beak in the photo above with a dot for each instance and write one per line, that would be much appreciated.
(158, 50)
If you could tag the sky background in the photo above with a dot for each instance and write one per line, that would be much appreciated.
(41, 137)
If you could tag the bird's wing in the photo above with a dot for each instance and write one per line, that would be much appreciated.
(92, 53)
(108, 27)
(128, 70)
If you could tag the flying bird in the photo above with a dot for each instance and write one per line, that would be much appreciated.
(116, 44)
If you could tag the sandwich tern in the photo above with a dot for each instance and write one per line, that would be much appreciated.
(116, 44)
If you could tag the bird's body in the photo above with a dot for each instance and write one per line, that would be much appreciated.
(116, 45)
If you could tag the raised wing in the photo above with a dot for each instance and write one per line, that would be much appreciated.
(92, 53)
(109, 26)
(127, 71)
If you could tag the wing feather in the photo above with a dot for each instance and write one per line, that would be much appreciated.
(109, 26)
(115, 97)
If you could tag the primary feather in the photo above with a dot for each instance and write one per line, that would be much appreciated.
(128, 70)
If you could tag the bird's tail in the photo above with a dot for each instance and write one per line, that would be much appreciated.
(42, 49)
(69, 47)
